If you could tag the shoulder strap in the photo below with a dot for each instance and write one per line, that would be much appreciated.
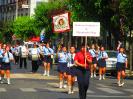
(49, 50)
(8, 54)
(123, 55)
(94, 51)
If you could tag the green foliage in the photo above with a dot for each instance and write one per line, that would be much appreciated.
(5, 31)
(126, 10)
(44, 13)
(108, 13)
(24, 27)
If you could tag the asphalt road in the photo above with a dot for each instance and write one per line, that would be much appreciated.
(25, 85)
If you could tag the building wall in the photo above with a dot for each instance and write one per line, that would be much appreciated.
(7, 10)
(11, 9)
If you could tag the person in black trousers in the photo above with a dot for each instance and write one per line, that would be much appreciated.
(23, 56)
(16, 54)
(83, 71)
(35, 54)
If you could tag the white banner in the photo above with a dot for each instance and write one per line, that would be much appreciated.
(61, 23)
(86, 29)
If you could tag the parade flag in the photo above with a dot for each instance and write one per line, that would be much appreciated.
(61, 23)
(86, 29)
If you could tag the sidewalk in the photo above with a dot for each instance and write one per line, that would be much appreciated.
(129, 74)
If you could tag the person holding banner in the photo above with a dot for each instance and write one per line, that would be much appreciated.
(83, 60)
(102, 56)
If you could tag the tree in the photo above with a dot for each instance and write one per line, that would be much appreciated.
(5, 32)
(44, 13)
(24, 27)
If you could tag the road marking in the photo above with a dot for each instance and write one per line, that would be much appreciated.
(101, 85)
(30, 76)
(2, 90)
(111, 91)
(107, 96)
(53, 84)
(56, 89)
(28, 90)
(129, 90)
(88, 91)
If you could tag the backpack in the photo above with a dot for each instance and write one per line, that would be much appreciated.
(23, 52)
(34, 54)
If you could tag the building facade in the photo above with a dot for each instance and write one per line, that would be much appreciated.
(11, 9)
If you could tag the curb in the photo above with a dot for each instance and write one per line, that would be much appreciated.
(129, 73)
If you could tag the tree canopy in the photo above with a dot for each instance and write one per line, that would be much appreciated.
(24, 27)
(115, 17)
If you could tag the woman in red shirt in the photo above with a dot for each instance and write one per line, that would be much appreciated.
(83, 59)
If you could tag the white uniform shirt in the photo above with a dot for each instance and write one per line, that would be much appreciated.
(7, 57)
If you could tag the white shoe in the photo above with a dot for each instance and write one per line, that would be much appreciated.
(45, 73)
(72, 92)
(95, 75)
(69, 89)
(48, 74)
(119, 83)
(91, 75)
(8, 81)
(103, 77)
(61, 85)
(100, 77)
(2, 80)
(122, 84)
(65, 86)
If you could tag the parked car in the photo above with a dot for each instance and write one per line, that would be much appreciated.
(111, 62)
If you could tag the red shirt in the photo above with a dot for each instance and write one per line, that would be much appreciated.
(80, 57)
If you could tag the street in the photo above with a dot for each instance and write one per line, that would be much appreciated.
(25, 85)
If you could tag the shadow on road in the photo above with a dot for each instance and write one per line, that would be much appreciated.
(68, 98)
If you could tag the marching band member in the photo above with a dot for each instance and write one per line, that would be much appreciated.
(6, 64)
(71, 69)
(41, 47)
(102, 56)
(121, 64)
(16, 54)
(35, 55)
(48, 53)
(1, 57)
(94, 61)
(23, 56)
(62, 67)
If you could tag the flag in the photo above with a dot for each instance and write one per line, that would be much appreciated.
(61, 23)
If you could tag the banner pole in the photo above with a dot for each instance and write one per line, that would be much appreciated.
(85, 49)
